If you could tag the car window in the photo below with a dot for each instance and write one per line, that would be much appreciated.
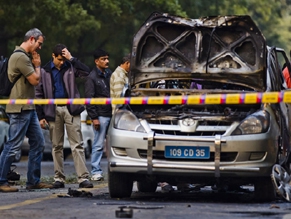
(284, 63)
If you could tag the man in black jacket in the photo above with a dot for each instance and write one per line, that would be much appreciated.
(98, 85)
(58, 81)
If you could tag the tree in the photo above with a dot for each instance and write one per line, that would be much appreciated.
(271, 16)
(82, 25)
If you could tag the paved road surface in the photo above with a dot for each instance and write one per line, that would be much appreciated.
(56, 203)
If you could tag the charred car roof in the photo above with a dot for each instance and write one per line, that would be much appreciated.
(228, 49)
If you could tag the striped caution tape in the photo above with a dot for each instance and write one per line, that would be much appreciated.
(239, 98)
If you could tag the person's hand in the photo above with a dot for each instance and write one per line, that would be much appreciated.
(44, 124)
(36, 61)
(66, 53)
(96, 124)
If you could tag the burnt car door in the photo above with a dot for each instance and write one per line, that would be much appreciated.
(276, 60)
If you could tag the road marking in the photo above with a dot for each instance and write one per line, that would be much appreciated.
(34, 201)
(27, 202)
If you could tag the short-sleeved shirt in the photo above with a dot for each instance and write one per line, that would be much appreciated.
(20, 63)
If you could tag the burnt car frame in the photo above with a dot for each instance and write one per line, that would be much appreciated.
(214, 144)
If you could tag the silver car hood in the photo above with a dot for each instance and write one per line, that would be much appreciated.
(228, 49)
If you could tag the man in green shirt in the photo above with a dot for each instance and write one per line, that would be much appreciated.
(23, 118)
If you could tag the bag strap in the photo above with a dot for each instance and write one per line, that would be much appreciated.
(19, 76)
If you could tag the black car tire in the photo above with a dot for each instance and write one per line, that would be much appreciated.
(119, 184)
(1, 148)
(87, 151)
(47, 157)
(264, 190)
(67, 153)
(146, 186)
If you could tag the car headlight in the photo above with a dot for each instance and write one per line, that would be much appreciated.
(256, 123)
(126, 120)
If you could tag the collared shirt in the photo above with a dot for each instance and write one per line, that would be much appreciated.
(104, 74)
(59, 88)
(118, 80)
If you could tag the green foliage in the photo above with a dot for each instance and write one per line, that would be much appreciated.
(84, 25)
(272, 16)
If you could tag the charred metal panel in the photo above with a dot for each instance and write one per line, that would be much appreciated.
(224, 49)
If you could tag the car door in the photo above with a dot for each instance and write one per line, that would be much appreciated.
(276, 60)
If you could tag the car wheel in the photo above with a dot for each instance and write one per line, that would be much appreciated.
(67, 152)
(17, 157)
(47, 157)
(1, 148)
(87, 151)
(264, 190)
(146, 186)
(281, 181)
(119, 185)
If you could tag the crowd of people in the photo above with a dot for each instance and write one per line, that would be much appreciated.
(56, 79)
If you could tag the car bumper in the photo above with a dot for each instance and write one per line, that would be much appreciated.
(251, 155)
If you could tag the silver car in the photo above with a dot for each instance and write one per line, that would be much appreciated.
(87, 134)
(4, 126)
(214, 144)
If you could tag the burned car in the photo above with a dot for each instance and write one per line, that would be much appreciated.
(208, 144)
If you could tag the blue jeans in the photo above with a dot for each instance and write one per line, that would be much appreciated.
(23, 124)
(97, 147)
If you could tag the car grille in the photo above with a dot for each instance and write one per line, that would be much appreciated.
(204, 128)
(159, 155)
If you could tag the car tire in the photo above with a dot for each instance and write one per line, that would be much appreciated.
(67, 152)
(18, 156)
(119, 185)
(87, 151)
(264, 190)
(1, 148)
(146, 186)
(47, 157)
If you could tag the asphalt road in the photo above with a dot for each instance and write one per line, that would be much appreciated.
(96, 203)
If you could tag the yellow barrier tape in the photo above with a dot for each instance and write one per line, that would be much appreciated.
(239, 98)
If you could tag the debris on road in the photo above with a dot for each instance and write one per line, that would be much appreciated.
(76, 193)
(125, 211)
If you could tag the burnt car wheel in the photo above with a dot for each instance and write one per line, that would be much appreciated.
(281, 180)
(146, 186)
(119, 185)
(264, 190)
